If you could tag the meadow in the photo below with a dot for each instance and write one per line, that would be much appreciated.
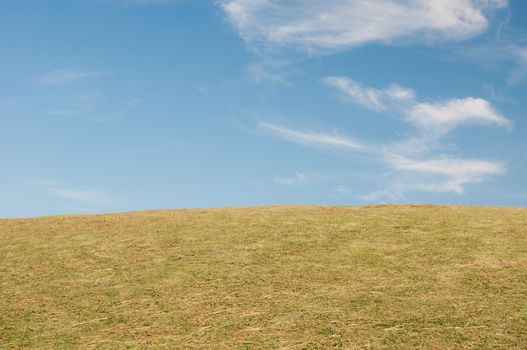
(277, 277)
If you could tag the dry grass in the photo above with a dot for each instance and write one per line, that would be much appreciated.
(380, 277)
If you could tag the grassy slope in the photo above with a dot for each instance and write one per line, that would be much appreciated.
(269, 277)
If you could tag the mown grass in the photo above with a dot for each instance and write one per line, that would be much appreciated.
(306, 277)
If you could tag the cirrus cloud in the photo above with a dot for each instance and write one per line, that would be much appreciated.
(314, 139)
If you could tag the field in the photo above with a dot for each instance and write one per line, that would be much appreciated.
(282, 277)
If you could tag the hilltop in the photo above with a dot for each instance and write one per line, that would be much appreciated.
(289, 277)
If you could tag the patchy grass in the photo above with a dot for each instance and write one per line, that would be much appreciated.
(306, 277)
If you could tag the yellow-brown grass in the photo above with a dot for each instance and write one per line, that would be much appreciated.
(305, 277)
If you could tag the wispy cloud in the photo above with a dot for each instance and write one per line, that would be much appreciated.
(411, 156)
(63, 113)
(319, 25)
(343, 190)
(57, 189)
(300, 179)
(268, 70)
(368, 97)
(441, 174)
(121, 112)
(504, 50)
(442, 117)
(314, 139)
(435, 174)
(93, 106)
(143, 2)
(453, 173)
(518, 74)
(497, 95)
(434, 120)
(382, 196)
(64, 76)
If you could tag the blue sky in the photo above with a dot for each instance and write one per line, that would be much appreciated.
(115, 105)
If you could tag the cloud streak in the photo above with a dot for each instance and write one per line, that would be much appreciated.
(368, 97)
(439, 174)
(519, 74)
(504, 50)
(300, 179)
(314, 139)
(64, 76)
(57, 189)
(453, 173)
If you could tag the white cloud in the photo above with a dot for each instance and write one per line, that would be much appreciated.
(64, 76)
(441, 118)
(454, 173)
(88, 196)
(320, 25)
(313, 138)
(433, 119)
(371, 98)
(446, 166)
(442, 174)
(435, 174)
(366, 97)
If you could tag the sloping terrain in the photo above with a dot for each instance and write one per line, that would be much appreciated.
(306, 277)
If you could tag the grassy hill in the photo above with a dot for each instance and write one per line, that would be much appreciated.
(306, 277)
